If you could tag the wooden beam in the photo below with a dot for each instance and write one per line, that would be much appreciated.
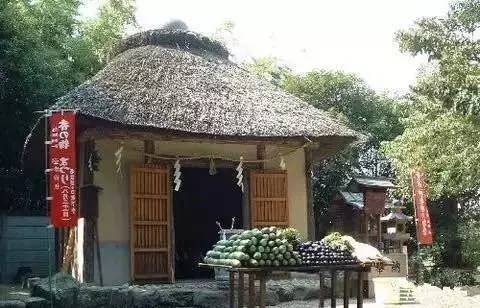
(201, 163)
(100, 133)
(311, 228)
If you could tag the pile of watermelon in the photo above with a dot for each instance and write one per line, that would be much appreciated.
(252, 248)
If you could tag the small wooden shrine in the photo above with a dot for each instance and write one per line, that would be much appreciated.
(358, 209)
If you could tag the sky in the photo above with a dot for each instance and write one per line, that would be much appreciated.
(355, 36)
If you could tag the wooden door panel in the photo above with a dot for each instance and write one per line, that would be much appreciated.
(150, 217)
(268, 198)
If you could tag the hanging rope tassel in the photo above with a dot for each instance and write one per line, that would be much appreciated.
(240, 173)
(177, 175)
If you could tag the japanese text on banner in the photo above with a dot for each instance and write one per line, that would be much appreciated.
(424, 227)
(62, 164)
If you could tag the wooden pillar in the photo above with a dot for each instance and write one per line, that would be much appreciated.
(365, 225)
(333, 286)
(346, 290)
(321, 299)
(261, 154)
(379, 230)
(311, 228)
(263, 290)
(148, 148)
(251, 290)
(360, 289)
(246, 199)
(240, 289)
(88, 211)
(231, 290)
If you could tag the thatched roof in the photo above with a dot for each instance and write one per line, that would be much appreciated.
(182, 81)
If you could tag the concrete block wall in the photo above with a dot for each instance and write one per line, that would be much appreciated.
(24, 243)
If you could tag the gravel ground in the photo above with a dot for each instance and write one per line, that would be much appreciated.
(427, 297)
(314, 303)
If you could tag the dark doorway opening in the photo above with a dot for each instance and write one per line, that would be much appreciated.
(202, 200)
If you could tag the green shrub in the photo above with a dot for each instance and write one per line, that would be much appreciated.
(467, 278)
(451, 278)
(469, 233)
(426, 262)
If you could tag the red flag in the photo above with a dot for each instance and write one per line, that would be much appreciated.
(63, 170)
(419, 188)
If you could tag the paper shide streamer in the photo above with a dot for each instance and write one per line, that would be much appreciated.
(118, 160)
(283, 165)
(177, 175)
(240, 173)
(212, 170)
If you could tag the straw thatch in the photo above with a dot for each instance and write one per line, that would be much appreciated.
(181, 81)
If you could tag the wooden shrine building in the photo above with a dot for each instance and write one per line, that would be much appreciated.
(170, 106)
(357, 210)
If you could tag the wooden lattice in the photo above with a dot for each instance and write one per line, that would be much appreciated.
(151, 223)
(269, 199)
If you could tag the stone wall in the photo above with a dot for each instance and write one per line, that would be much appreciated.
(66, 292)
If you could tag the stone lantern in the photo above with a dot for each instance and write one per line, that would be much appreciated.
(394, 227)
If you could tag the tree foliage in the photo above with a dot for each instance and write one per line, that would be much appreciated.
(350, 98)
(351, 101)
(46, 50)
(442, 129)
(452, 46)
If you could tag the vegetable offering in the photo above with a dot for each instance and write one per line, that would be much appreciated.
(334, 249)
(251, 248)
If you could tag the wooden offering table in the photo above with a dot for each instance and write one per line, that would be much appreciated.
(262, 274)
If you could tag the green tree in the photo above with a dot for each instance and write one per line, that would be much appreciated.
(46, 50)
(442, 127)
(452, 46)
(348, 98)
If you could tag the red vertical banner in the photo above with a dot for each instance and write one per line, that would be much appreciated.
(63, 169)
(419, 188)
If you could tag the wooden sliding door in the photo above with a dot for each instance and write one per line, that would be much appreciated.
(151, 223)
(268, 198)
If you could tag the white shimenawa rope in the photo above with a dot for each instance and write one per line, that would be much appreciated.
(219, 157)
